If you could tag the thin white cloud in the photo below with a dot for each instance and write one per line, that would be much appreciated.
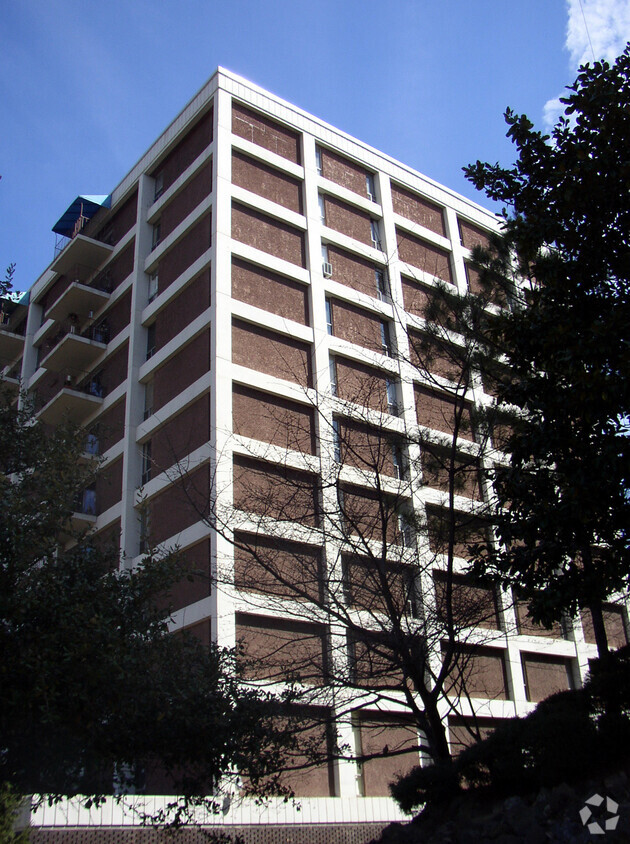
(596, 29)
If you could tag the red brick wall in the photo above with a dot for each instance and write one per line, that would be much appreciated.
(460, 736)
(118, 270)
(187, 150)
(614, 624)
(197, 189)
(272, 419)
(195, 584)
(275, 354)
(54, 292)
(270, 291)
(545, 675)
(369, 515)
(265, 132)
(193, 300)
(272, 236)
(274, 648)
(366, 590)
(397, 745)
(182, 370)
(274, 491)
(480, 673)
(266, 181)
(361, 384)
(180, 505)
(348, 220)
(351, 270)
(110, 426)
(424, 255)
(278, 567)
(181, 435)
(529, 628)
(194, 243)
(109, 486)
(433, 355)
(467, 530)
(472, 606)
(121, 220)
(416, 297)
(438, 411)
(356, 325)
(118, 316)
(437, 469)
(344, 171)
(112, 372)
(419, 209)
(365, 447)
(472, 235)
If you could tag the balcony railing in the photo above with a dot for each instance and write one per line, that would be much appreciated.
(76, 404)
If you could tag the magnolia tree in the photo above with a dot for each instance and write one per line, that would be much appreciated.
(562, 505)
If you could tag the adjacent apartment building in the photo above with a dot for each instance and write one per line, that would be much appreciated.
(245, 297)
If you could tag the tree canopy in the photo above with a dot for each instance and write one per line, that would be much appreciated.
(96, 696)
(563, 508)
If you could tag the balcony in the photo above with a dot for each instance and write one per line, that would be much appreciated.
(75, 405)
(78, 299)
(74, 354)
(10, 385)
(84, 251)
(11, 344)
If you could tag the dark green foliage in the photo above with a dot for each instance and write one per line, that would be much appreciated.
(568, 736)
(421, 785)
(564, 511)
(93, 689)
(10, 804)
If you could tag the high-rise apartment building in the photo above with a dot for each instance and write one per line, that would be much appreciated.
(251, 288)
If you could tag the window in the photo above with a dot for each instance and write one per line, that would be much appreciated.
(376, 236)
(326, 265)
(332, 368)
(155, 237)
(95, 387)
(148, 400)
(336, 428)
(318, 161)
(381, 284)
(92, 444)
(146, 462)
(153, 285)
(386, 344)
(411, 587)
(329, 316)
(100, 332)
(150, 341)
(404, 529)
(159, 185)
(397, 460)
(392, 397)
(87, 501)
(322, 209)
(370, 188)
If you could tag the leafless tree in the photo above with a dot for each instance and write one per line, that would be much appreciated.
(348, 528)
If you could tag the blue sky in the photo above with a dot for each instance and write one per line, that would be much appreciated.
(85, 87)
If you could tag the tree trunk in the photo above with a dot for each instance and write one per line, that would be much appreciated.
(601, 639)
(435, 730)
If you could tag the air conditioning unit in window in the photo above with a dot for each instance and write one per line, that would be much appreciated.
(327, 269)
(371, 196)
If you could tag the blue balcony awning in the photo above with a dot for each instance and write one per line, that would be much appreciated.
(83, 206)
